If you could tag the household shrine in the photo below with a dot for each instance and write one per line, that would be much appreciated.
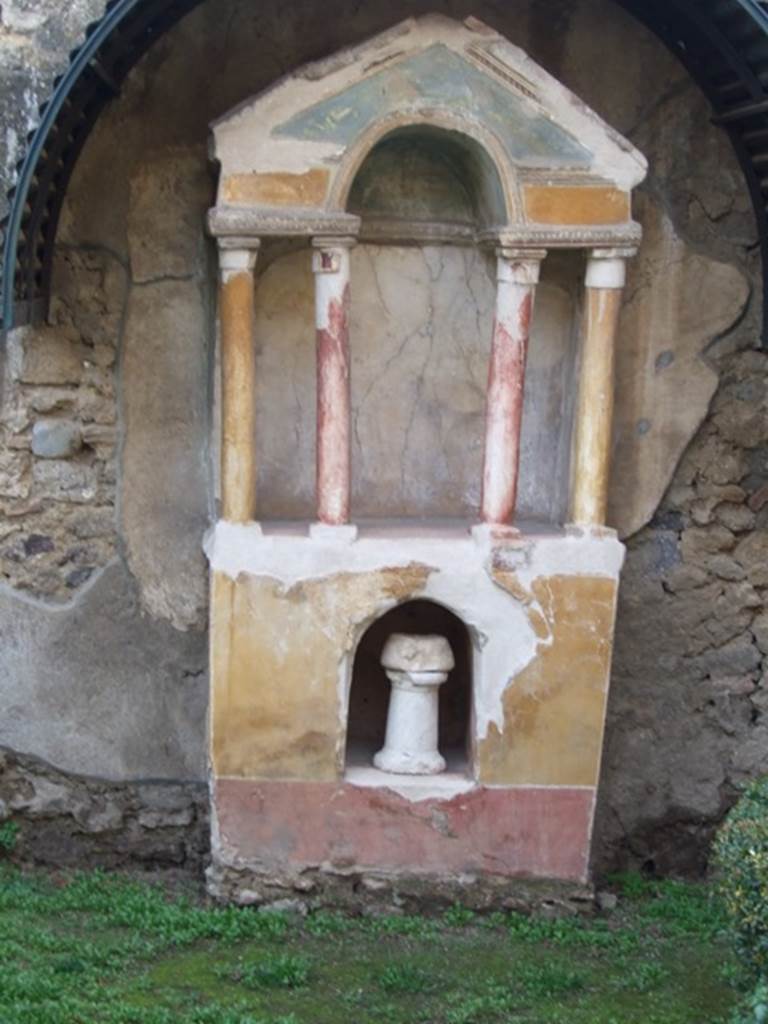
(422, 245)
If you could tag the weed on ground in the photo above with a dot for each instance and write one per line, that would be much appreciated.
(103, 949)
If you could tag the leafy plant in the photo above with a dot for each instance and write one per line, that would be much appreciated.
(9, 832)
(495, 1002)
(274, 970)
(755, 1008)
(644, 977)
(547, 979)
(405, 978)
(458, 916)
(741, 862)
(325, 922)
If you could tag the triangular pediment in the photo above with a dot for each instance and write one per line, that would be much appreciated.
(438, 78)
(299, 143)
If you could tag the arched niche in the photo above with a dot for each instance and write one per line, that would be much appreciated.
(427, 178)
(369, 688)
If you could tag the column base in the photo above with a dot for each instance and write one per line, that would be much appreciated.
(343, 533)
(494, 533)
(589, 530)
(399, 762)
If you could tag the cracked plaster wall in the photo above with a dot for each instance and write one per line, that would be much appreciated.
(127, 361)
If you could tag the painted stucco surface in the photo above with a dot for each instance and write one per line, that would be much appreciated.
(420, 337)
(281, 829)
(288, 612)
(275, 702)
(439, 77)
(552, 732)
(462, 75)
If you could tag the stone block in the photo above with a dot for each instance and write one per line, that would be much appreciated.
(65, 481)
(95, 407)
(99, 435)
(698, 542)
(15, 475)
(760, 697)
(56, 439)
(738, 686)
(163, 798)
(52, 399)
(93, 522)
(166, 819)
(750, 758)
(760, 631)
(736, 518)
(52, 355)
(101, 816)
(88, 295)
(741, 410)
(48, 798)
(712, 461)
(737, 657)
(721, 492)
(247, 898)
(725, 567)
(687, 577)
(752, 554)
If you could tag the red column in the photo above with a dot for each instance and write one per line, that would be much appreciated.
(517, 276)
(330, 263)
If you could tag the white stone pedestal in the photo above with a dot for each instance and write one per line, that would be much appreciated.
(416, 666)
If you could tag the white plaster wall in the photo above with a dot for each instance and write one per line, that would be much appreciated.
(420, 339)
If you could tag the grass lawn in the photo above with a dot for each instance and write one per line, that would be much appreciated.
(102, 949)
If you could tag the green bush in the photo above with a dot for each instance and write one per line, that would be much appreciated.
(741, 862)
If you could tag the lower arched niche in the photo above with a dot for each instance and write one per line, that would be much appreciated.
(369, 692)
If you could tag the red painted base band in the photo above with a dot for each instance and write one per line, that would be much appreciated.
(515, 832)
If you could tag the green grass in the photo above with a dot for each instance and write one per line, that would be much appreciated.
(101, 949)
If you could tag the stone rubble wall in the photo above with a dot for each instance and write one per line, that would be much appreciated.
(688, 713)
(71, 821)
(58, 433)
(105, 487)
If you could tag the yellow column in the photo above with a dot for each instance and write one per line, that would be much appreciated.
(236, 304)
(606, 273)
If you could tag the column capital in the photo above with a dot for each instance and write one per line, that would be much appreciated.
(518, 265)
(237, 255)
(607, 268)
(329, 252)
